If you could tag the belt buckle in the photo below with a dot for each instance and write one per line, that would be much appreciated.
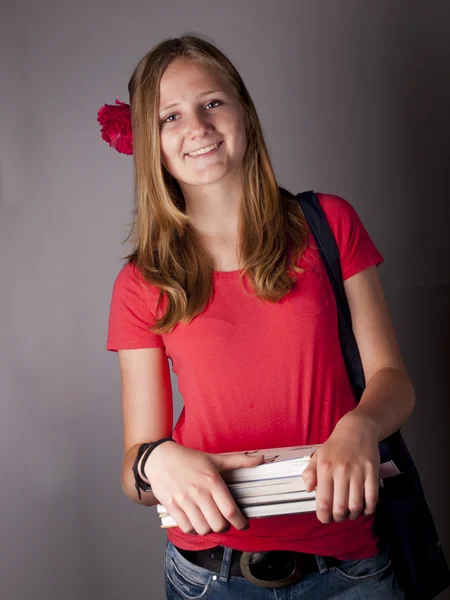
(296, 574)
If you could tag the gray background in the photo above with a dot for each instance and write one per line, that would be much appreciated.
(354, 100)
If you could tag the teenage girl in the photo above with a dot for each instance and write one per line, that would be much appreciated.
(224, 279)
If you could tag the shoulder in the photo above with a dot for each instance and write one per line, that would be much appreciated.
(131, 279)
(132, 290)
(341, 216)
(356, 248)
(126, 282)
(126, 275)
(335, 207)
(132, 312)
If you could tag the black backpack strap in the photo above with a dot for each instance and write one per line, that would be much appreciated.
(329, 252)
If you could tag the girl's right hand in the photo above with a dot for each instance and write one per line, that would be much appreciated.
(188, 484)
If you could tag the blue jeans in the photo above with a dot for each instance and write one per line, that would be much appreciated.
(369, 578)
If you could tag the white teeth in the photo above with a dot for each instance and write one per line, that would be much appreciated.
(204, 150)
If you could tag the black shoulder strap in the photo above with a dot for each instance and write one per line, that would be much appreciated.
(329, 252)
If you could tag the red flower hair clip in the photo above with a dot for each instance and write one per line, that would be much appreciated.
(115, 121)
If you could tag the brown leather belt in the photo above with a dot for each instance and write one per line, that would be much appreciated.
(275, 568)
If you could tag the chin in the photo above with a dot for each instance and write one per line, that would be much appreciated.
(207, 177)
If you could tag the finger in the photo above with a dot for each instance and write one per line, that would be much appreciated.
(180, 517)
(324, 493)
(213, 516)
(201, 509)
(341, 482)
(356, 495)
(225, 462)
(371, 491)
(309, 479)
(309, 475)
(196, 517)
(228, 507)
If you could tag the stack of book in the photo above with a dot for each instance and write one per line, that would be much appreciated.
(275, 487)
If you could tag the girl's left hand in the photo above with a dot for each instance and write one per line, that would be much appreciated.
(345, 470)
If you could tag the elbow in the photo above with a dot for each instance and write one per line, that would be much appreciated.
(132, 494)
(410, 395)
(127, 488)
(412, 404)
(129, 493)
(146, 499)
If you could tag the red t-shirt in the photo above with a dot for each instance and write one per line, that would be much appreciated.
(258, 375)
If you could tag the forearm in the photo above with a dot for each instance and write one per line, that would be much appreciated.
(128, 484)
(387, 402)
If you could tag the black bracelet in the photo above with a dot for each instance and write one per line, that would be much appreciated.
(146, 448)
(139, 483)
(149, 450)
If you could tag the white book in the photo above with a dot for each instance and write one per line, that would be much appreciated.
(269, 486)
(276, 498)
(262, 501)
(282, 508)
(294, 483)
(257, 512)
(275, 487)
(288, 460)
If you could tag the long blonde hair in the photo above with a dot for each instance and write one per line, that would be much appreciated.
(166, 249)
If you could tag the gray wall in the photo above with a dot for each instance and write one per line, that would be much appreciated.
(354, 99)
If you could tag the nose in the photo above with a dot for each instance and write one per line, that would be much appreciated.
(197, 124)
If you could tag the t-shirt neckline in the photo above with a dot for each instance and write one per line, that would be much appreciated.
(227, 274)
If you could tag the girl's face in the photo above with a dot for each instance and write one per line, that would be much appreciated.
(205, 112)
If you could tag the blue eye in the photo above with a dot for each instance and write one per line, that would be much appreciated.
(166, 120)
(213, 102)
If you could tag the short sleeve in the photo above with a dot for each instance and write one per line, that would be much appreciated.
(357, 250)
(130, 313)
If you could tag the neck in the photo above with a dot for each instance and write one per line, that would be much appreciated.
(214, 209)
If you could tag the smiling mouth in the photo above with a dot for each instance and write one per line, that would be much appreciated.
(201, 152)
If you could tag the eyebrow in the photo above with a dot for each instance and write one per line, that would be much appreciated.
(199, 96)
